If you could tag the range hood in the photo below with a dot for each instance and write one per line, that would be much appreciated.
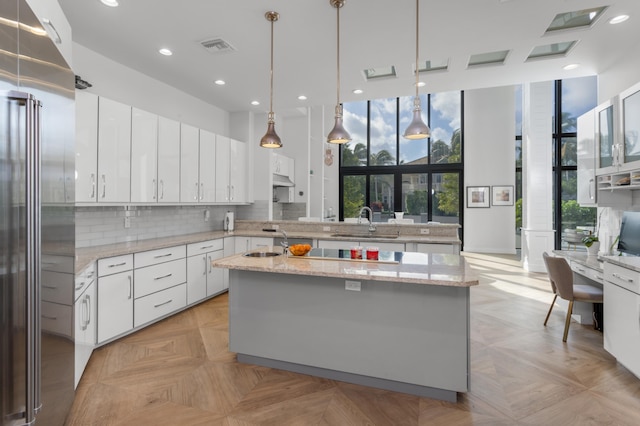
(280, 180)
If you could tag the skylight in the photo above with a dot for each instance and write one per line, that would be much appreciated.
(577, 19)
(551, 50)
(380, 72)
(434, 65)
(489, 58)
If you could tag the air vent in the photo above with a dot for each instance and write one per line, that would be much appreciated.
(217, 45)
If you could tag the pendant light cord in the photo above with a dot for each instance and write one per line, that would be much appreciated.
(338, 55)
(417, 41)
(271, 83)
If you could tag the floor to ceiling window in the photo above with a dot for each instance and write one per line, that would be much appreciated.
(382, 170)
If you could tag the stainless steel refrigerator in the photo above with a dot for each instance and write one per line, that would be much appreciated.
(36, 221)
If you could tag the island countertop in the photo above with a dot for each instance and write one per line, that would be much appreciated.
(407, 267)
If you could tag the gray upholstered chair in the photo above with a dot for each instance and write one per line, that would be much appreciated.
(561, 278)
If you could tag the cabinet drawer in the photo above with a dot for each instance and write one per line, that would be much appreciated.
(83, 279)
(623, 277)
(154, 257)
(159, 277)
(205, 247)
(57, 287)
(435, 248)
(588, 272)
(57, 319)
(159, 304)
(113, 265)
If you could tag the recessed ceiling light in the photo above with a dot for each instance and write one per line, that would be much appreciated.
(110, 3)
(421, 84)
(570, 67)
(220, 82)
(255, 103)
(358, 91)
(166, 52)
(618, 19)
(302, 98)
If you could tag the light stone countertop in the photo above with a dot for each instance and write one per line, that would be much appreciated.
(581, 257)
(629, 262)
(416, 268)
(86, 255)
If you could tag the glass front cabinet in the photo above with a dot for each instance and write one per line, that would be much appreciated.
(629, 101)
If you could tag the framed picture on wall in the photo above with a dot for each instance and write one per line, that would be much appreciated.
(477, 196)
(502, 195)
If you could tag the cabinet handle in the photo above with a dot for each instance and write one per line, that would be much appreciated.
(93, 185)
(113, 265)
(205, 247)
(580, 269)
(233, 192)
(228, 192)
(201, 191)
(78, 287)
(162, 277)
(88, 310)
(130, 287)
(154, 191)
(50, 318)
(622, 278)
(591, 181)
(162, 255)
(209, 263)
(599, 278)
(195, 197)
(161, 189)
(50, 287)
(104, 186)
(163, 303)
(84, 314)
(204, 272)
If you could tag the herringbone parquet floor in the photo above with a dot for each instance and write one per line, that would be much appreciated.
(179, 372)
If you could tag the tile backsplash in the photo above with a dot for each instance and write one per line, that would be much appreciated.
(98, 225)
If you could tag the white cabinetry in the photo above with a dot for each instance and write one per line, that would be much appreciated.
(144, 156)
(160, 283)
(115, 296)
(587, 192)
(622, 315)
(85, 328)
(86, 147)
(203, 280)
(168, 160)
(114, 151)
(197, 165)
(231, 170)
(245, 244)
(438, 248)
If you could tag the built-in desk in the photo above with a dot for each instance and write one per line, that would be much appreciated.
(587, 270)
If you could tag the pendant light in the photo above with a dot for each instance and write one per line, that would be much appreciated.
(271, 138)
(417, 129)
(338, 134)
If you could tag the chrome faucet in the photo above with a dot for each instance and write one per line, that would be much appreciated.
(372, 227)
(285, 243)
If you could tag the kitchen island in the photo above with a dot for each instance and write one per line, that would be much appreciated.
(400, 323)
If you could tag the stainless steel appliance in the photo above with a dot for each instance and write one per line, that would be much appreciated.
(36, 220)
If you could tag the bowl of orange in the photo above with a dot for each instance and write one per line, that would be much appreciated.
(299, 249)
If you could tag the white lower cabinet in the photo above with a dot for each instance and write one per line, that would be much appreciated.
(345, 245)
(438, 248)
(115, 305)
(203, 280)
(85, 328)
(160, 304)
(622, 316)
(245, 244)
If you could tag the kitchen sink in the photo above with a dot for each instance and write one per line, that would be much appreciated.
(358, 235)
(262, 254)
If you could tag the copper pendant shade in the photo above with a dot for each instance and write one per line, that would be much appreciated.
(271, 138)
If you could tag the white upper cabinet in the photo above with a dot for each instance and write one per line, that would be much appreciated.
(86, 147)
(238, 171)
(630, 128)
(207, 167)
(587, 190)
(189, 164)
(114, 151)
(168, 161)
(223, 185)
(144, 156)
(197, 165)
(231, 170)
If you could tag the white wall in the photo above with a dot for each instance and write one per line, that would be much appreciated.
(489, 156)
(619, 77)
(120, 83)
(295, 137)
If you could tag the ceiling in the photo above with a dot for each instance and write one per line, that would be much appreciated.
(374, 33)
